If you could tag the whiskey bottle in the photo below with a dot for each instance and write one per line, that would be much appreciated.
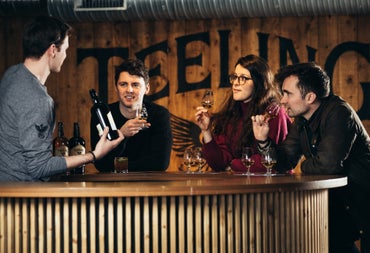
(104, 115)
(77, 147)
(60, 143)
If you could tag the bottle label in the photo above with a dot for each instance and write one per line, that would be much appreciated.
(61, 151)
(78, 150)
(100, 129)
(111, 121)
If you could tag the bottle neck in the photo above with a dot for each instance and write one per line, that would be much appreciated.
(76, 131)
(60, 131)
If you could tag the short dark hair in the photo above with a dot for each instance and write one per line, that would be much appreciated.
(41, 33)
(133, 67)
(311, 78)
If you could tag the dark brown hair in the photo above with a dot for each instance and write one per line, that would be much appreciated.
(264, 92)
(41, 33)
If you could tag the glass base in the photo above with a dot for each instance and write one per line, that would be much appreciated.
(248, 174)
(269, 174)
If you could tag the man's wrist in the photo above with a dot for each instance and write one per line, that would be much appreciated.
(93, 157)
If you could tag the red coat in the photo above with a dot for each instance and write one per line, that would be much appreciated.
(219, 152)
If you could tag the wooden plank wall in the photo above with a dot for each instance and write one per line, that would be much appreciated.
(192, 51)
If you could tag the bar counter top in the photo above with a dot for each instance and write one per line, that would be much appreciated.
(167, 184)
(167, 212)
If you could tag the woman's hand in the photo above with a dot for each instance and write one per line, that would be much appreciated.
(202, 118)
(261, 127)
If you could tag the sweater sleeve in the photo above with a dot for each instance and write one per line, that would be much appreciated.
(35, 129)
(279, 127)
(152, 148)
(216, 153)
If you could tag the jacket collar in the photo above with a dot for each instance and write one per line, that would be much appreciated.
(314, 122)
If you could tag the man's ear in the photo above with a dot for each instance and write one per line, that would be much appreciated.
(310, 97)
(52, 50)
(147, 89)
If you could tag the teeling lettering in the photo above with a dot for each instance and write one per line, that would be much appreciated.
(286, 50)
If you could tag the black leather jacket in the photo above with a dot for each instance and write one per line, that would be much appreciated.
(333, 141)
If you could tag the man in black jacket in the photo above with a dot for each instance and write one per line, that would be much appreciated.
(331, 137)
(148, 141)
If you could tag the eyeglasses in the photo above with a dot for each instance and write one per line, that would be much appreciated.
(241, 79)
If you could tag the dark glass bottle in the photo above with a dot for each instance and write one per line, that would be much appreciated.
(104, 115)
(60, 143)
(77, 147)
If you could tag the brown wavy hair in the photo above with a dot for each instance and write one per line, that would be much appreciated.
(264, 92)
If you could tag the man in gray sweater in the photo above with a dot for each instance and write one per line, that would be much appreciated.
(27, 116)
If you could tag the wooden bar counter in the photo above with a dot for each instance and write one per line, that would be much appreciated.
(167, 212)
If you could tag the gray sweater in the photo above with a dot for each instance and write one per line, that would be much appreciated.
(27, 121)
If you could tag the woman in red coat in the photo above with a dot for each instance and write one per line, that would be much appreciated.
(228, 131)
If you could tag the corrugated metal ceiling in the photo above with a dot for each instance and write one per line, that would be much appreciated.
(187, 9)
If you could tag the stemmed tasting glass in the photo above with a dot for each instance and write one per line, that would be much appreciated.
(141, 112)
(247, 159)
(272, 110)
(208, 99)
(268, 160)
(198, 158)
(188, 159)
